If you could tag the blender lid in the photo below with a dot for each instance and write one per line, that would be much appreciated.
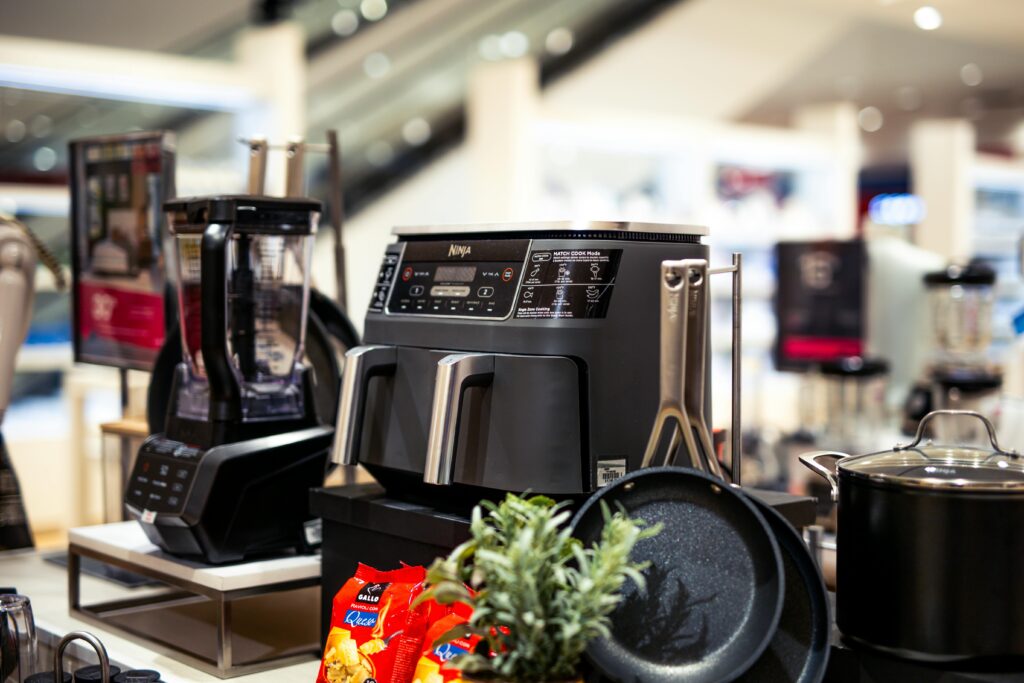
(935, 466)
(246, 212)
(855, 366)
(971, 274)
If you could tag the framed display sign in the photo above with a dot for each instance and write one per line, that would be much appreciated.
(118, 186)
(819, 302)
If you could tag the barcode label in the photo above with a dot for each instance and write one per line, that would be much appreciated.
(609, 471)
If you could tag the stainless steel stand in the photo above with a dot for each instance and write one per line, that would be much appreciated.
(218, 632)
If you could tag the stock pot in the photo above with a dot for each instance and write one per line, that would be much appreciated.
(930, 547)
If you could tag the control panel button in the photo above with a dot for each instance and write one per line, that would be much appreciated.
(177, 487)
(181, 473)
(141, 479)
(508, 274)
(407, 273)
(159, 483)
(173, 501)
(165, 470)
(485, 292)
(416, 290)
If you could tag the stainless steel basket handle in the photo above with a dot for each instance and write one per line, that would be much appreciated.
(830, 474)
(455, 373)
(955, 413)
(361, 363)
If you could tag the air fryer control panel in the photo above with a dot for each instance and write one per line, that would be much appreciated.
(163, 475)
(494, 279)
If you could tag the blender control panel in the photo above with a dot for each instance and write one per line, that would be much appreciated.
(464, 278)
(162, 476)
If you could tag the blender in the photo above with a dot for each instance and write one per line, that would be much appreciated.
(229, 476)
(960, 375)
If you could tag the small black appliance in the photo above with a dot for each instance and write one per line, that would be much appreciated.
(229, 476)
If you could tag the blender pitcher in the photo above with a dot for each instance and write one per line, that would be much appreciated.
(243, 293)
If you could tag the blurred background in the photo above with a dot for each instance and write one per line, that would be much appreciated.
(893, 121)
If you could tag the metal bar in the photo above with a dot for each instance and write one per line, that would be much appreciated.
(337, 203)
(737, 363)
(74, 579)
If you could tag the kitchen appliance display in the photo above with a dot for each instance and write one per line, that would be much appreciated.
(243, 443)
(509, 358)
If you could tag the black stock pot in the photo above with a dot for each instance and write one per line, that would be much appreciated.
(930, 547)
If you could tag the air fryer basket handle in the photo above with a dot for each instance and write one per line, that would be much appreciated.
(361, 363)
(455, 373)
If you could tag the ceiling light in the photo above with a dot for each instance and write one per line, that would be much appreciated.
(870, 119)
(15, 130)
(41, 125)
(514, 44)
(416, 131)
(373, 10)
(376, 65)
(44, 159)
(971, 74)
(927, 18)
(558, 41)
(345, 22)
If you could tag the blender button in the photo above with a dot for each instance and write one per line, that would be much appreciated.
(485, 292)
(141, 479)
(165, 470)
(155, 498)
(177, 487)
(173, 500)
(416, 290)
(160, 484)
(181, 474)
(507, 274)
(137, 494)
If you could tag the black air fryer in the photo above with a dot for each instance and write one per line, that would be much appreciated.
(509, 358)
(229, 478)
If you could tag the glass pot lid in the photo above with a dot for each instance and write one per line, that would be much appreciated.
(936, 466)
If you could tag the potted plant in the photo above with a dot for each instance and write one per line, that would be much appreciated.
(538, 595)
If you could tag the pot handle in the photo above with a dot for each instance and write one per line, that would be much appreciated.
(954, 413)
(810, 460)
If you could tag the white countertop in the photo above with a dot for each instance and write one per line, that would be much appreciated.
(46, 585)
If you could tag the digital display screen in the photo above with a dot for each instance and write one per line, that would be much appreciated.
(455, 274)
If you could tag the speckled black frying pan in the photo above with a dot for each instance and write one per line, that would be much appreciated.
(714, 585)
(799, 650)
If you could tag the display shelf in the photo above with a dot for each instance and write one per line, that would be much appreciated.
(227, 621)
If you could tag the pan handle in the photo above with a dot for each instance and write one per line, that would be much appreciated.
(955, 413)
(810, 460)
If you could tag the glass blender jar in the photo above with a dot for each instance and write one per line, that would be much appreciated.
(243, 296)
(962, 378)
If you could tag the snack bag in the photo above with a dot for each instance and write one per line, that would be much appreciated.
(431, 666)
(375, 635)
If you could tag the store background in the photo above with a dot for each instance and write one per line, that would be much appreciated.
(763, 119)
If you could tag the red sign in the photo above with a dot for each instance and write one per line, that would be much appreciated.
(121, 316)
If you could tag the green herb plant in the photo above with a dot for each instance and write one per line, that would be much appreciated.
(538, 595)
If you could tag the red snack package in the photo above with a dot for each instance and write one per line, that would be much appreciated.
(375, 633)
(431, 666)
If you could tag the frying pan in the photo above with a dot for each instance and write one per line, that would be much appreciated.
(799, 650)
(715, 581)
